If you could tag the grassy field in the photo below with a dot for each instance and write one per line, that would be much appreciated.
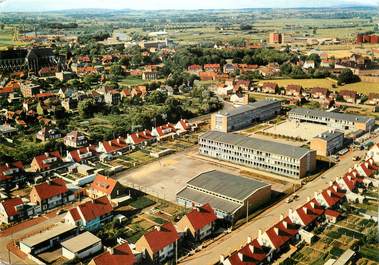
(360, 87)
(306, 83)
(6, 39)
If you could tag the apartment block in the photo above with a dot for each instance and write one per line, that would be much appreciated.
(287, 160)
(243, 116)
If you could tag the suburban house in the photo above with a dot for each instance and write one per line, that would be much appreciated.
(269, 87)
(118, 145)
(212, 68)
(242, 84)
(91, 214)
(199, 223)
(139, 91)
(105, 186)
(208, 76)
(373, 99)
(332, 216)
(373, 153)
(11, 210)
(306, 215)
(330, 197)
(194, 69)
(112, 97)
(320, 92)
(12, 174)
(349, 96)
(252, 253)
(294, 90)
(229, 68)
(82, 154)
(47, 162)
(75, 139)
(280, 235)
(309, 64)
(183, 126)
(159, 244)
(164, 131)
(140, 138)
(150, 75)
(46, 134)
(366, 168)
(51, 194)
(119, 255)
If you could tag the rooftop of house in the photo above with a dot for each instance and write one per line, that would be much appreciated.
(201, 216)
(162, 236)
(10, 205)
(121, 255)
(51, 188)
(104, 184)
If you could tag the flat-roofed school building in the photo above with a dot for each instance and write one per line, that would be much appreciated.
(282, 159)
(243, 116)
(341, 121)
(327, 143)
(229, 195)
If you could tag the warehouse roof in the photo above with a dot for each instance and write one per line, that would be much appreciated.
(226, 184)
(55, 231)
(257, 144)
(80, 242)
(248, 107)
(203, 198)
(331, 115)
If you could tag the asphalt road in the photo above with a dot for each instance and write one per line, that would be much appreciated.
(238, 237)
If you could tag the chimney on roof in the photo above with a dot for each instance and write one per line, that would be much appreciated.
(248, 240)
(276, 230)
(366, 164)
(46, 154)
(110, 142)
(335, 188)
(240, 256)
(7, 164)
(110, 250)
(118, 140)
(197, 209)
(305, 209)
(158, 228)
(285, 224)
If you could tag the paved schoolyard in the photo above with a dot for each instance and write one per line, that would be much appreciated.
(167, 176)
(294, 129)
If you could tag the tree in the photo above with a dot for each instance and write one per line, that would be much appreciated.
(316, 58)
(156, 97)
(86, 108)
(347, 77)
(116, 70)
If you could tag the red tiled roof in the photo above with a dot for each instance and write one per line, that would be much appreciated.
(75, 214)
(75, 154)
(350, 181)
(297, 88)
(201, 216)
(270, 85)
(321, 90)
(104, 184)
(332, 213)
(185, 124)
(309, 212)
(10, 205)
(114, 145)
(8, 166)
(47, 190)
(348, 93)
(96, 208)
(282, 232)
(139, 137)
(215, 65)
(194, 67)
(331, 196)
(122, 255)
(41, 158)
(159, 239)
(250, 254)
(165, 129)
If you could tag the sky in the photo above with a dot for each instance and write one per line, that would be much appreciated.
(47, 5)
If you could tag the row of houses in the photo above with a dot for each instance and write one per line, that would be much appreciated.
(321, 93)
(13, 174)
(298, 223)
(56, 192)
